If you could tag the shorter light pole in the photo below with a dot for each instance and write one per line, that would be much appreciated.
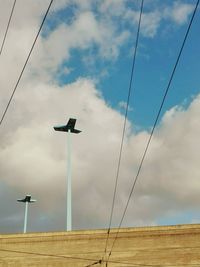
(26, 200)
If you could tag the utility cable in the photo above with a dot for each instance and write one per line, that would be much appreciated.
(69, 257)
(73, 258)
(125, 122)
(47, 255)
(96, 262)
(155, 123)
(4, 38)
(27, 59)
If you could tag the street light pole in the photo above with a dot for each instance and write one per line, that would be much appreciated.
(25, 216)
(69, 185)
(69, 128)
(26, 200)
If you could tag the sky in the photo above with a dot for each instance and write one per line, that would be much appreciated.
(80, 68)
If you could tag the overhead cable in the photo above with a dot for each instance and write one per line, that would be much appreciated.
(125, 121)
(155, 123)
(96, 261)
(27, 59)
(10, 17)
(68, 257)
(47, 255)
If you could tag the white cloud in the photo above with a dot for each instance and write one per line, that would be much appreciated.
(150, 23)
(83, 33)
(179, 12)
(123, 105)
(113, 7)
(33, 156)
(37, 156)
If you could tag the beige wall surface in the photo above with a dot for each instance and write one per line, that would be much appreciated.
(169, 246)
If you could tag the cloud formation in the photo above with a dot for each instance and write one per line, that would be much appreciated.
(33, 156)
(179, 12)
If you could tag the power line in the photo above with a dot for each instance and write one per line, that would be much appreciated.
(125, 121)
(63, 256)
(4, 38)
(155, 123)
(68, 257)
(47, 255)
(27, 59)
(96, 261)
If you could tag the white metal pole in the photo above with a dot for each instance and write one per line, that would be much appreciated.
(69, 185)
(25, 216)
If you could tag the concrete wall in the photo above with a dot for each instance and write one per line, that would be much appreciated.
(170, 246)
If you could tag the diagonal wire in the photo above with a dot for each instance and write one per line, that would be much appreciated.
(89, 259)
(125, 122)
(71, 258)
(65, 257)
(27, 59)
(95, 263)
(4, 38)
(155, 123)
(47, 255)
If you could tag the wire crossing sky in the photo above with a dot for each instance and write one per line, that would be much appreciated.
(155, 123)
(124, 127)
(29, 54)
(10, 17)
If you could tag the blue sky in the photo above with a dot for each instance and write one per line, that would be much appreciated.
(155, 59)
(80, 67)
